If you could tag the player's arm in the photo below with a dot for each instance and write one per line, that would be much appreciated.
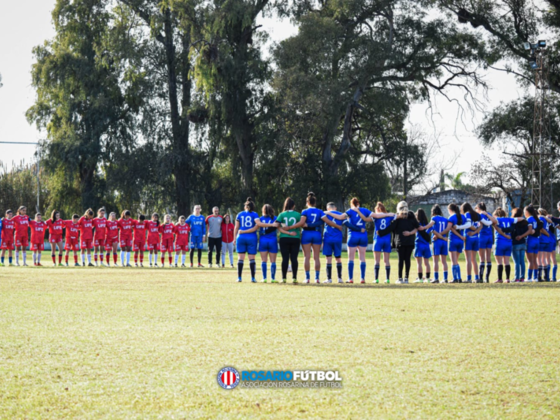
(428, 226)
(501, 232)
(455, 231)
(364, 218)
(342, 216)
(331, 223)
(438, 235)
(379, 215)
(530, 231)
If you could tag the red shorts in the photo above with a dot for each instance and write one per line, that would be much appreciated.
(55, 239)
(139, 246)
(87, 243)
(126, 243)
(22, 241)
(154, 246)
(72, 244)
(99, 243)
(38, 247)
(109, 243)
(167, 245)
(182, 246)
(8, 245)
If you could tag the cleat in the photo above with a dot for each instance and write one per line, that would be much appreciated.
(307, 281)
(141, 265)
(155, 265)
(17, 264)
(35, 264)
(90, 265)
(274, 281)
(39, 265)
(498, 281)
(363, 281)
(136, 265)
(427, 281)
(418, 281)
(328, 281)
(192, 265)
(176, 266)
(231, 266)
(210, 265)
(183, 266)
(223, 266)
(317, 281)
(340, 281)
(376, 281)
(264, 280)
(77, 265)
(1, 264)
(200, 266)
(284, 281)
(350, 281)
(400, 281)
(507, 281)
(66, 264)
(405, 281)
(388, 281)
(238, 280)
(294, 281)
(468, 281)
(253, 280)
(434, 281)
(25, 265)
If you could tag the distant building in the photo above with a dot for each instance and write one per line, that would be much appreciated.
(444, 198)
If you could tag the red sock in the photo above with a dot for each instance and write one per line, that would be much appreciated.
(162, 258)
(115, 258)
(95, 257)
(141, 257)
(170, 259)
(60, 258)
(53, 259)
(136, 257)
(107, 258)
(66, 259)
(75, 259)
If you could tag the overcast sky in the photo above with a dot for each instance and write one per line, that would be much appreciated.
(27, 23)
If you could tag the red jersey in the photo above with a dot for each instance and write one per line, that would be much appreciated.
(139, 231)
(22, 225)
(72, 229)
(153, 231)
(100, 225)
(8, 229)
(227, 232)
(182, 232)
(125, 226)
(86, 228)
(38, 230)
(55, 228)
(112, 230)
(167, 231)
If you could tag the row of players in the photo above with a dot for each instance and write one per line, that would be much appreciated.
(102, 234)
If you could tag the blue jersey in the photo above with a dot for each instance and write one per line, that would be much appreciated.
(454, 221)
(197, 224)
(421, 241)
(246, 221)
(533, 222)
(468, 219)
(381, 224)
(546, 226)
(313, 218)
(486, 231)
(440, 224)
(333, 233)
(266, 219)
(357, 221)
(504, 223)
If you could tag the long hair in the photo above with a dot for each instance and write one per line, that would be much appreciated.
(125, 213)
(249, 204)
(311, 199)
(355, 202)
(481, 206)
(499, 212)
(226, 216)
(53, 215)
(436, 210)
(157, 216)
(543, 212)
(531, 210)
(402, 210)
(454, 208)
(268, 210)
(467, 208)
(380, 208)
(421, 216)
(517, 212)
(20, 209)
(88, 212)
(289, 204)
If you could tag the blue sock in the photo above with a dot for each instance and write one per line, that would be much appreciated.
(469, 277)
(436, 275)
(317, 273)
(476, 277)
(263, 267)
(530, 274)
(554, 271)
(548, 272)
(458, 271)
(445, 275)
(307, 275)
(350, 270)
(454, 272)
(273, 270)
(2, 260)
(10, 259)
(363, 270)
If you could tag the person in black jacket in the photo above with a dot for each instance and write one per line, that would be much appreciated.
(519, 241)
(403, 228)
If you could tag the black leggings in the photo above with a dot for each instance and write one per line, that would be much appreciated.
(217, 244)
(289, 248)
(405, 252)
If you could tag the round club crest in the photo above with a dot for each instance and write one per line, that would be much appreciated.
(228, 378)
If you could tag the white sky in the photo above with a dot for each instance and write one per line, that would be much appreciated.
(27, 23)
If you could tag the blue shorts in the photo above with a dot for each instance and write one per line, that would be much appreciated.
(472, 244)
(268, 245)
(544, 246)
(440, 247)
(532, 246)
(332, 247)
(246, 244)
(484, 242)
(422, 251)
(552, 246)
(311, 237)
(196, 242)
(357, 240)
(456, 246)
(382, 244)
(503, 250)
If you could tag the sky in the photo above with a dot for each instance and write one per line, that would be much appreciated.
(18, 37)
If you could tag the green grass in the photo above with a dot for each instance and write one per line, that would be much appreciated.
(127, 343)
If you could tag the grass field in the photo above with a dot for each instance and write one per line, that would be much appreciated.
(128, 343)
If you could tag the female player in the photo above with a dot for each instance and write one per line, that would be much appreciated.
(440, 231)
(86, 236)
(125, 228)
(38, 230)
(139, 239)
(268, 243)
(100, 225)
(422, 252)
(227, 240)
(533, 241)
(182, 231)
(153, 238)
(56, 229)
(21, 221)
(544, 256)
(484, 243)
(197, 222)
(167, 230)
(519, 235)
(112, 238)
(332, 243)
(472, 240)
(313, 220)
(382, 244)
(357, 240)
(289, 223)
(503, 226)
(8, 237)
(456, 239)
(72, 238)
(246, 238)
